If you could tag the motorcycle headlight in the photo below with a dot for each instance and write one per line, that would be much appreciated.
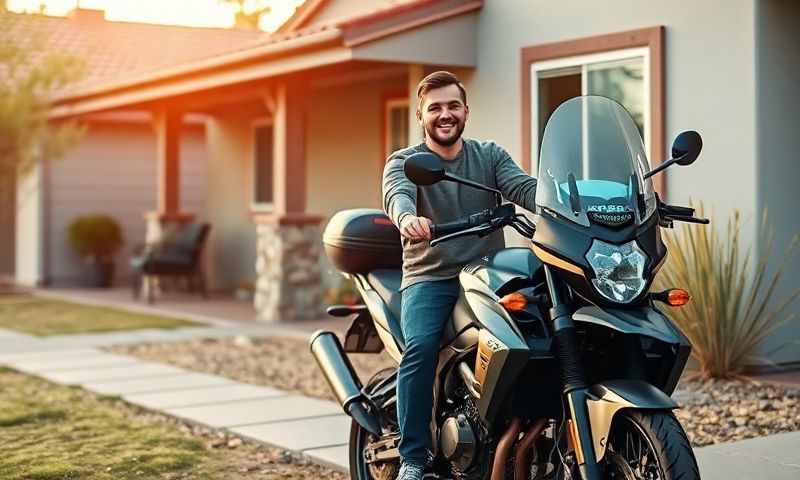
(618, 270)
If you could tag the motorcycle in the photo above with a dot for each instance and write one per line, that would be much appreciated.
(557, 363)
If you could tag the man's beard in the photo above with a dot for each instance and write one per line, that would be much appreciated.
(430, 131)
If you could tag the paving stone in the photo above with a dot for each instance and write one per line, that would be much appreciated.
(13, 335)
(157, 384)
(123, 372)
(94, 339)
(301, 434)
(45, 352)
(251, 412)
(775, 457)
(73, 362)
(218, 395)
(337, 457)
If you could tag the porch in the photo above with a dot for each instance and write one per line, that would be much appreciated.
(295, 130)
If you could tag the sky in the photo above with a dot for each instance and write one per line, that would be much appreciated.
(205, 13)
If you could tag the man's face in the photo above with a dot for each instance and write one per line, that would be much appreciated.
(443, 115)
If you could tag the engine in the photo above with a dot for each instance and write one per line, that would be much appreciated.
(461, 434)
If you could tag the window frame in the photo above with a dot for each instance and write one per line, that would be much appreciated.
(390, 102)
(649, 39)
(255, 206)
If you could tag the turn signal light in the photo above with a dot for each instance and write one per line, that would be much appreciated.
(677, 297)
(514, 302)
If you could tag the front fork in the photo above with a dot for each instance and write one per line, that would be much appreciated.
(573, 378)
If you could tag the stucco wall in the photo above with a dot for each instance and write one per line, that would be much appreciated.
(345, 161)
(709, 81)
(112, 170)
(778, 151)
(232, 244)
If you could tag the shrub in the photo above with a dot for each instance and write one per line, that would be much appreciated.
(732, 310)
(95, 237)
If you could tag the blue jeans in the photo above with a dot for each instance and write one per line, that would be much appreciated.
(426, 308)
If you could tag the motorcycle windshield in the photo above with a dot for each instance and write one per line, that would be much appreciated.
(592, 160)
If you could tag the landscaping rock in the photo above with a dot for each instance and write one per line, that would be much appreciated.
(712, 411)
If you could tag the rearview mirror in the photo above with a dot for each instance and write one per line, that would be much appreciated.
(424, 168)
(686, 147)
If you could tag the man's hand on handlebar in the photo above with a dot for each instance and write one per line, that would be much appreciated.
(416, 228)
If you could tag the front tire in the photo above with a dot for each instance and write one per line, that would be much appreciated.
(649, 445)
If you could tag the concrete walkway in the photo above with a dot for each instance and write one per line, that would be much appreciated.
(313, 427)
(310, 426)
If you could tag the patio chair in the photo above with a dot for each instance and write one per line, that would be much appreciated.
(179, 257)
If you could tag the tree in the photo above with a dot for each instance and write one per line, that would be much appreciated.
(248, 12)
(30, 77)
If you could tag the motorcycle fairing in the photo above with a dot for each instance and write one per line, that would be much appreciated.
(607, 398)
(564, 244)
(644, 321)
(505, 350)
(639, 321)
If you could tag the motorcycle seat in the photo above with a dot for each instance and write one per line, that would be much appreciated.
(386, 283)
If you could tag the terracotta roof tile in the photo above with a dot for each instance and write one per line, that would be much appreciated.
(113, 50)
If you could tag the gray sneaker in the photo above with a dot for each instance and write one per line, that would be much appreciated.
(411, 471)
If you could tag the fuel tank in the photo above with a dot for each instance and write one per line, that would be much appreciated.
(507, 270)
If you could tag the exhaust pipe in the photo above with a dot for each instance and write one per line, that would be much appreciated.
(327, 350)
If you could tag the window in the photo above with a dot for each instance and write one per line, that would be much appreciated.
(621, 75)
(395, 125)
(626, 66)
(263, 168)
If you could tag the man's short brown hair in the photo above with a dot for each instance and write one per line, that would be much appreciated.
(438, 80)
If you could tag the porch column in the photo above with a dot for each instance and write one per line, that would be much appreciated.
(288, 252)
(167, 218)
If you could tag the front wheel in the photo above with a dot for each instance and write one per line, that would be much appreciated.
(649, 445)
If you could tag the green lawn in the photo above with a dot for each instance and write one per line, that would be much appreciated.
(49, 431)
(42, 316)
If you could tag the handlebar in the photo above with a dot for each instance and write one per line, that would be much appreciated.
(444, 229)
(675, 213)
(481, 224)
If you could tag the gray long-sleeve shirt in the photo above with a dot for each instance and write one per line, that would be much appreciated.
(484, 162)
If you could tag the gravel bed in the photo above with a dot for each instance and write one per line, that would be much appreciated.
(283, 363)
(713, 411)
(726, 411)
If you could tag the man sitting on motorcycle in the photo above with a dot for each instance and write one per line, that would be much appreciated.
(430, 284)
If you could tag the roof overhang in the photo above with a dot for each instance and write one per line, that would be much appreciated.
(406, 36)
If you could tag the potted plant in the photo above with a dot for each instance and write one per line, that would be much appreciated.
(96, 238)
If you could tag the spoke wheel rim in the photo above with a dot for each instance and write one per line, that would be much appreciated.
(631, 454)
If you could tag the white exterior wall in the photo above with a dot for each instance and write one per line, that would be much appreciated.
(778, 159)
(29, 228)
(113, 171)
(709, 81)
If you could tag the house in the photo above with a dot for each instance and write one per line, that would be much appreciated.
(299, 125)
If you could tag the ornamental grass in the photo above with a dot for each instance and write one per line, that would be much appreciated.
(733, 308)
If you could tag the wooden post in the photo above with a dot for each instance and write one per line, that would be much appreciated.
(167, 124)
(289, 183)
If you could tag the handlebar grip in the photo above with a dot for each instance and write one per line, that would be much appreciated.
(443, 229)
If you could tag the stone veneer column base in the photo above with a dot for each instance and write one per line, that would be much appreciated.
(289, 285)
